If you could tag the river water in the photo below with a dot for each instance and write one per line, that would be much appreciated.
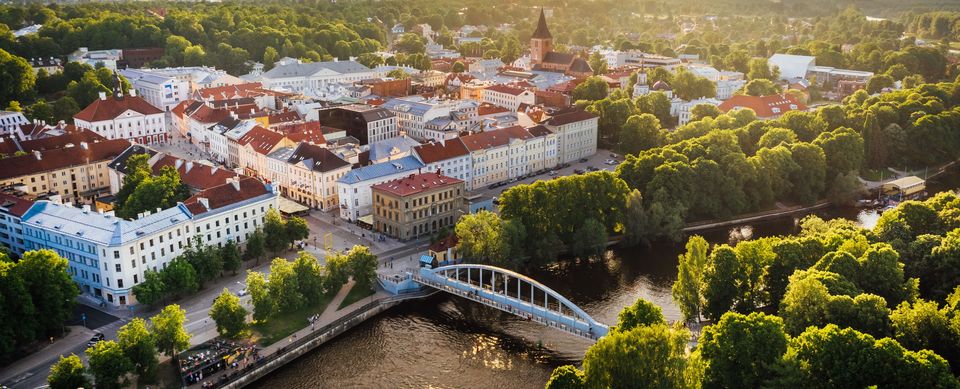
(448, 342)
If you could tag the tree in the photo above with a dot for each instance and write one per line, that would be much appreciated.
(879, 81)
(590, 240)
(338, 273)
(644, 357)
(168, 331)
(760, 87)
(635, 220)
(409, 43)
(138, 346)
(924, 325)
(195, 55)
(180, 278)
(228, 314)
(592, 89)
(255, 246)
(16, 77)
(458, 67)
(68, 373)
(640, 132)
(151, 290)
(362, 266)
(14, 106)
(296, 229)
(843, 148)
(701, 111)
(689, 86)
(742, 351)
(398, 74)
(720, 281)
(809, 180)
(40, 110)
(687, 291)
(479, 237)
(641, 313)
(151, 192)
(566, 377)
(109, 365)
(284, 286)
(230, 255)
(598, 63)
(64, 108)
(275, 232)
(309, 275)
(804, 304)
(263, 303)
(44, 277)
(760, 69)
(270, 57)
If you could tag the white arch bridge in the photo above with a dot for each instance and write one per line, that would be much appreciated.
(514, 293)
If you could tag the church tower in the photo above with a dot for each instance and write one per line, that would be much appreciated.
(541, 42)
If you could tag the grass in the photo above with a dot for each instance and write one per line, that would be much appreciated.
(282, 325)
(874, 174)
(355, 294)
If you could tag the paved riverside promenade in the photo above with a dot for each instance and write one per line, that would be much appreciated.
(331, 323)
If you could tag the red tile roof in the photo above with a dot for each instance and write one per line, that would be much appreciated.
(230, 92)
(283, 117)
(494, 138)
(435, 151)
(72, 135)
(261, 139)
(415, 183)
(570, 116)
(304, 132)
(15, 205)
(62, 158)
(111, 107)
(195, 175)
(490, 109)
(443, 244)
(223, 195)
(202, 113)
(500, 88)
(539, 131)
(763, 106)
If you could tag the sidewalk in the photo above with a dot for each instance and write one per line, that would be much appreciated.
(20, 369)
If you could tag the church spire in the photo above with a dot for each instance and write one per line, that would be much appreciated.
(542, 32)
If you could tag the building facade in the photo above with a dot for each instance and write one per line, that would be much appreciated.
(576, 132)
(127, 117)
(417, 205)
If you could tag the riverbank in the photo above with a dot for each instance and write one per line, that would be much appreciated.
(328, 326)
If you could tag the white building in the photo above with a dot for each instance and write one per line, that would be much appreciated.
(166, 87)
(124, 117)
(414, 112)
(312, 78)
(356, 200)
(576, 132)
(450, 157)
(107, 58)
(507, 96)
(107, 256)
(506, 153)
(485, 66)
(680, 109)
(792, 66)
(10, 123)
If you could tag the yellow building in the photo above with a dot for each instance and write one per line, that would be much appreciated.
(417, 205)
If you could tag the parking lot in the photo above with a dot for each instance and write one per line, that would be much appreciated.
(596, 161)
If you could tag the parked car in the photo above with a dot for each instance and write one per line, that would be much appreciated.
(553, 173)
(242, 292)
(583, 160)
(579, 171)
(492, 186)
(496, 200)
(614, 155)
(611, 162)
(97, 337)
(592, 169)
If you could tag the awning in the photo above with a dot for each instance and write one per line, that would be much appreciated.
(290, 207)
(368, 220)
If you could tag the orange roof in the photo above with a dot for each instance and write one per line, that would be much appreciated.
(500, 88)
(490, 109)
(435, 151)
(494, 138)
(415, 183)
(570, 116)
(229, 92)
(80, 154)
(764, 106)
(111, 107)
(261, 139)
(223, 195)
(195, 175)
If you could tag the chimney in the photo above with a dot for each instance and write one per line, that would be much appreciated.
(178, 164)
(36, 154)
(84, 145)
(203, 201)
(132, 92)
(235, 182)
(103, 95)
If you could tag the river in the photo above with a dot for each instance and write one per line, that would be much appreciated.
(447, 342)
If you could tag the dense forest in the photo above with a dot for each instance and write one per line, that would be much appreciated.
(854, 307)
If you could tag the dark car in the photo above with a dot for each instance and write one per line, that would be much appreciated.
(592, 169)
(579, 171)
(583, 160)
(97, 337)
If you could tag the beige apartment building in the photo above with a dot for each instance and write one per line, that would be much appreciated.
(417, 205)
(78, 173)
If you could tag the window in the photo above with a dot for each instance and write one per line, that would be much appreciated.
(133, 263)
(117, 267)
(116, 255)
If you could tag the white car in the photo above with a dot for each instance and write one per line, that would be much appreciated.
(611, 162)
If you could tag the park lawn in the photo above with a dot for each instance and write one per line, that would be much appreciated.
(282, 325)
(355, 294)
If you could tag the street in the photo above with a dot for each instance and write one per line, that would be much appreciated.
(596, 161)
